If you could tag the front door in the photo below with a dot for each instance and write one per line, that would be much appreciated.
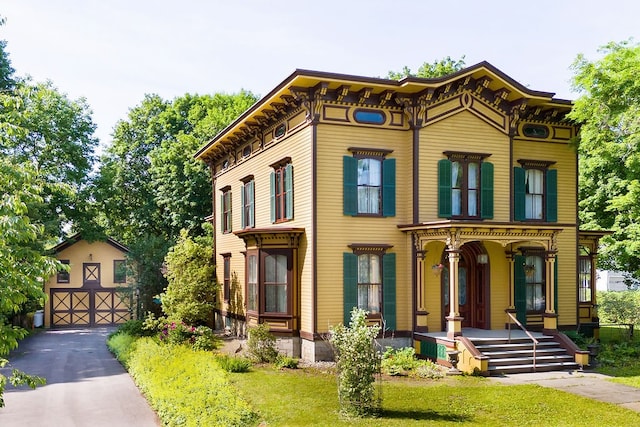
(472, 287)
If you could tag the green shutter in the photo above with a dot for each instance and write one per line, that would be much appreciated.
(350, 284)
(520, 289)
(389, 290)
(242, 210)
(272, 189)
(555, 286)
(288, 191)
(519, 194)
(551, 181)
(486, 188)
(230, 212)
(251, 192)
(350, 185)
(389, 187)
(444, 188)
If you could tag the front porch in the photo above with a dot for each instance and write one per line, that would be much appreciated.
(500, 351)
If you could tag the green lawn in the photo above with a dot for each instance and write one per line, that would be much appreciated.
(309, 398)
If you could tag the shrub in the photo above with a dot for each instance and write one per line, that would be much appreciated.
(121, 345)
(358, 363)
(185, 388)
(178, 333)
(283, 362)
(233, 364)
(399, 361)
(261, 344)
(619, 307)
(428, 369)
(134, 328)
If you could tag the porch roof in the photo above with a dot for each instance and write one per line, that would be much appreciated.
(457, 233)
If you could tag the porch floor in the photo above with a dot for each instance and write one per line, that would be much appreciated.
(480, 334)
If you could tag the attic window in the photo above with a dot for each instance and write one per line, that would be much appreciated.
(370, 117)
(246, 151)
(225, 164)
(280, 130)
(535, 131)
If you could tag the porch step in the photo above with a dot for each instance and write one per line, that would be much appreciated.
(516, 355)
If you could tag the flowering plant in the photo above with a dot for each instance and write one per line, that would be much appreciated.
(200, 338)
(437, 269)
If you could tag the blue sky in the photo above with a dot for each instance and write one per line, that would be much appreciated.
(113, 52)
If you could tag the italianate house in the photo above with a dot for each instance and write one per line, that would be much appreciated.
(446, 208)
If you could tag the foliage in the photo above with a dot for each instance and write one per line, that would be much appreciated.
(192, 283)
(286, 362)
(135, 328)
(358, 363)
(398, 361)
(16, 379)
(429, 369)
(608, 112)
(233, 364)
(619, 307)
(261, 344)
(145, 260)
(121, 344)
(438, 68)
(185, 388)
(199, 338)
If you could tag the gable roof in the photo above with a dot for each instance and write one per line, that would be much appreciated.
(78, 237)
(302, 85)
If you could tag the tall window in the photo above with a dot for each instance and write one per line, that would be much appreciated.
(465, 186)
(252, 282)
(534, 194)
(63, 275)
(369, 186)
(226, 288)
(535, 191)
(369, 181)
(584, 279)
(369, 283)
(225, 206)
(275, 283)
(282, 191)
(534, 269)
(247, 202)
(119, 271)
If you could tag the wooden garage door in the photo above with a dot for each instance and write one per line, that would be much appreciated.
(91, 307)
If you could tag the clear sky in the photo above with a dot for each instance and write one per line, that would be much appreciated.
(112, 52)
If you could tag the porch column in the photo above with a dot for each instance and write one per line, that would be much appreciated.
(550, 315)
(454, 321)
(420, 306)
(510, 260)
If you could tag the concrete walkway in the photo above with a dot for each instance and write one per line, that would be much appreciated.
(85, 386)
(587, 384)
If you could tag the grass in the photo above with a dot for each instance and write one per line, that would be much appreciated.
(622, 354)
(309, 398)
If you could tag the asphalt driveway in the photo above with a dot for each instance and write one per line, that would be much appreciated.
(85, 386)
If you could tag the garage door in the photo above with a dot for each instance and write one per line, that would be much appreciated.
(90, 305)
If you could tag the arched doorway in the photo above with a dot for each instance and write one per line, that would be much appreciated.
(473, 286)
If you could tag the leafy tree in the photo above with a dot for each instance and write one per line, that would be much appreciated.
(435, 69)
(190, 293)
(608, 111)
(358, 363)
(619, 307)
(22, 268)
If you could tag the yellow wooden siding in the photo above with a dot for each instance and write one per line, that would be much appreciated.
(463, 132)
(336, 231)
(499, 284)
(567, 277)
(565, 157)
(298, 148)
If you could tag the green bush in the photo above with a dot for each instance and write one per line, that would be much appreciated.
(261, 344)
(399, 361)
(428, 369)
(121, 345)
(178, 333)
(135, 328)
(358, 363)
(287, 362)
(185, 388)
(619, 307)
(233, 364)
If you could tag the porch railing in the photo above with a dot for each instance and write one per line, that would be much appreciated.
(535, 341)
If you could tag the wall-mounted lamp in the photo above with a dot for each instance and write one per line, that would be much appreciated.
(483, 258)
(90, 257)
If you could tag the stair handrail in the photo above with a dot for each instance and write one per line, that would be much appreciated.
(535, 341)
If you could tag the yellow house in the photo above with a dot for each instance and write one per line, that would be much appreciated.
(446, 208)
(90, 292)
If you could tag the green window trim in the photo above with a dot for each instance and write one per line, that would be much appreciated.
(444, 189)
(486, 190)
(519, 177)
(389, 187)
(350, 284)
(350, 186)
(272, 196)
(445, 185)
(550, 196)
(551, 187)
